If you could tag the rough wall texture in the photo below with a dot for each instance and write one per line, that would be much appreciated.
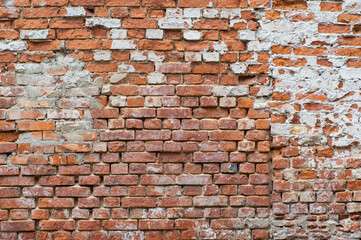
(188, 119)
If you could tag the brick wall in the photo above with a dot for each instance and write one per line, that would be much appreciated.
(180, 119)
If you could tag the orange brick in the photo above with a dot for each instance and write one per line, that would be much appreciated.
(333, 28)
(36, 126)
(30, 24)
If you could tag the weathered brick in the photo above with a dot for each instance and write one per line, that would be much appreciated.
(56, 180)
(36, 126)
(196, 3)
(132, 202)
(138, 157)
(6, 102)
(17, 203)
(156, 224)
(30, 24)
(194, 180)
(257, 201)
(210, 201)
(38, 170)
(17, 181)
(155, 45)
(72, 148)
(149, 135)
(189, 136)
(174, 68)
(123, 3)
(7, 147)
(18, 226)
(194, 90)
(139, 23)
(56, 203)
(174, 113)
(52, 225)
(210, 157)
(138, 113)
(37, 191)
(175, 202)
(227, 224)
(10, 192)
(121, 180)
(120, 225)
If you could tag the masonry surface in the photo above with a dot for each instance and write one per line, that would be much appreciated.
(180, 119)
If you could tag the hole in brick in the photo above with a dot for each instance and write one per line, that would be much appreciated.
(246, 80)
(90, 10)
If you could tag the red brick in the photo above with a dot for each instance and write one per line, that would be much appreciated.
(17, 226)
(157, 3)
(104, 113)
(6, 102)
(260, 234)
(174, 113)
(230, 179)
(226, 135)
(155, 45)
(153, 135)
(72, 148)
(7, 147)
(227, 3)
(194, 3)
(138, 157)
(174, 202)
(332, 7)
(51, 2)
(259, 3)
(36, 126)
(211, 201)
(56, 203)
(17, 203)
(30, 24)
(162, 224)
(257, 201)
(189, 135)
(131, 202)
(346, 18)
(52, 225)
(17, 181)
(46, 46)
(290, 5)
(123, 3)
(8, 57)
(194, 90)
(175, 157)
(56, 180)
(119, 224)
(9, 13)
(210, 157)
(121, 180)
(74, 33)
(10, 192)
(89, 225)
(175, 68)
(66, 23)
(83, 44)
(330, 28)
(139, 23)
(227, 224)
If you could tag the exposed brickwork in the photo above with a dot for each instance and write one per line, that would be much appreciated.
(315, 122)
(180, 119)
